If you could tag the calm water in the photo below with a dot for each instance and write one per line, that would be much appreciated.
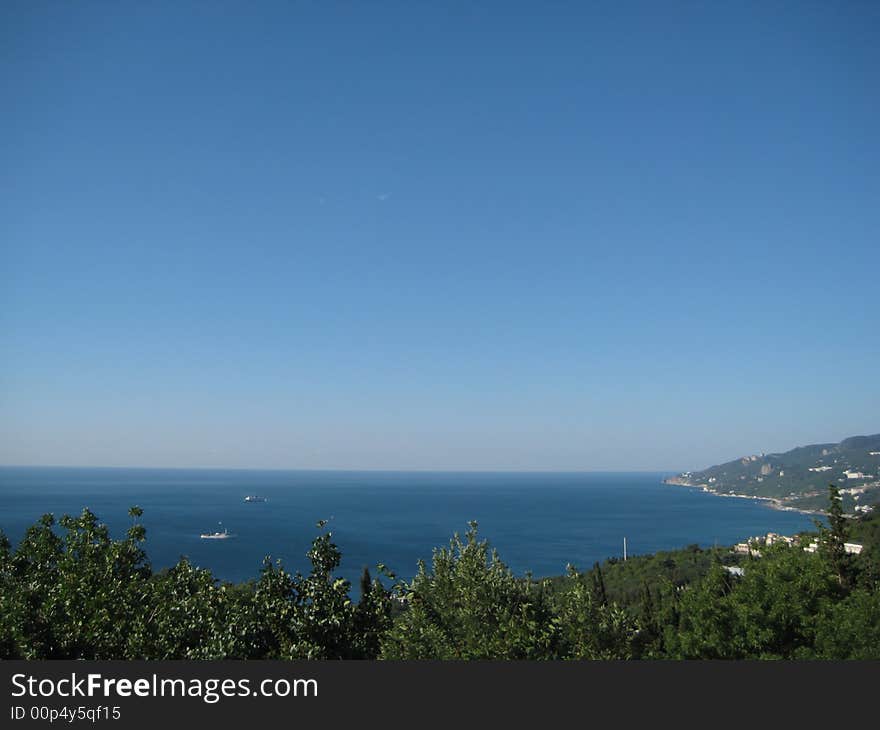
(538, 522)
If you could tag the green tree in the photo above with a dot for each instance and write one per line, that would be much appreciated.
(184, 619)
(590, 627)
(372, 617)
(599, 593)
(850, 629)
(707, 627)
(7, 597)
(777, 602)
(650, 634)
(31, 576)
(78, 596)
(832, 539)
(307, 616)
(470, 606)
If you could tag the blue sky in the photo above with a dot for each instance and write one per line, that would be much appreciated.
(436, 235)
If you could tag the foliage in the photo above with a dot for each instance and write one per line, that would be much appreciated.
(832, 539)
(79, 596)
(769, 613)
(590, 627)
(84, 595)
(850, 629)
(70, 591)
(470, 606)
(706, 628)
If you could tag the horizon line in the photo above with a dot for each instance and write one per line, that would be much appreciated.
(347, 470)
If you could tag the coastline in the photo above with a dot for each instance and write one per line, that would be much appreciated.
(771, 502)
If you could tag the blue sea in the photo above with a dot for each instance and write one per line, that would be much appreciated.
(539, 522)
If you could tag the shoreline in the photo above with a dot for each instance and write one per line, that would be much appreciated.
(771, 502)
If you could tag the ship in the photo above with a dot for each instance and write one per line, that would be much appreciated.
(255, 498)
(224, 535)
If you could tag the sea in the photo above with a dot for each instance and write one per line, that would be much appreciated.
(538, 522)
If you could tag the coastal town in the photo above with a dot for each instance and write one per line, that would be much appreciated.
(798, 479)
(753, 545)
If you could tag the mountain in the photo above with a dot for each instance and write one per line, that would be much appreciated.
(799, 479)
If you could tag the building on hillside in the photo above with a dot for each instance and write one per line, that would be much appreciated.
(772, 538)
(851, 548)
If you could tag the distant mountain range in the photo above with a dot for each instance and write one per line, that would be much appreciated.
(799, 479)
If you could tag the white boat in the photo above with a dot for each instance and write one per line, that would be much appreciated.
(255, 498)
(224, 535)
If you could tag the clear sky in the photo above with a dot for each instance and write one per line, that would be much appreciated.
(437, 235)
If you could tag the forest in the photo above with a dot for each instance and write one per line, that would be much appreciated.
(69, 590)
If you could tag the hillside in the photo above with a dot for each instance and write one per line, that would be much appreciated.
(798, 479)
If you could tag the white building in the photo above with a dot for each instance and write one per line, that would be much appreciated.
(851, 548)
